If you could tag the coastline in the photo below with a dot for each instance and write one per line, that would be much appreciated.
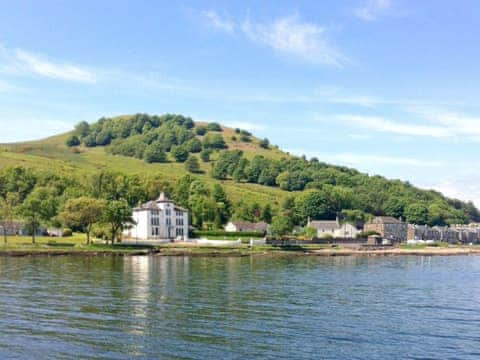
(196, 251)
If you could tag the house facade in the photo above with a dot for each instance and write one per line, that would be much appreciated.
(333, 228)
(160, 219)
(388, 227)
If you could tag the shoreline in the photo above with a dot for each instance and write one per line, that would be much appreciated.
(242, 252)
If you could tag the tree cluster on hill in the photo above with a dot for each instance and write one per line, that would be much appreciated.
(319, 190)
(150, 138)
(332, 189)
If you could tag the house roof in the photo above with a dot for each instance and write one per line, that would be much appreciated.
(324, 224)
(250, 226)
(153, 204)
(385, 220)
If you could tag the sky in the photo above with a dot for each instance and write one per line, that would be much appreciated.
(389, 87)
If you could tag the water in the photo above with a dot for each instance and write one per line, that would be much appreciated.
(252, 307)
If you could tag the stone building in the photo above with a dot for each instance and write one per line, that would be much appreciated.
(388, 227)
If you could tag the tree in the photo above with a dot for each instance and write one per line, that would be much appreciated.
(267, 214)
(312, 204)
(214, 127)
(83, 212)
(281, 225)
(194, 145)
(416, 213)
(117, 214)
(179, 153)
(154, 153)
(39, 207)
(82, 129)
(214, 141)
(265, 143)
(201, 130)
(7, 212)
(205, 155)
(223, 204)
(192, 165)
(72, 140)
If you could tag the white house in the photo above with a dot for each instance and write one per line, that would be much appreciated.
(159, 220)
(333, 228)
(243, 226)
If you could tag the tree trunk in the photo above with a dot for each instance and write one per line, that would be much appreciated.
(5, 235)
(33, 232)
(87, 231)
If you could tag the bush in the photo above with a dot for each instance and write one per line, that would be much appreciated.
(154, 154)
(201, 130)
(194, 145)
(192, 165)
(265, 143)
(214, 127)
(205, 155)
(73, 141)
(67, 232)
(245, 138)
(180, 153)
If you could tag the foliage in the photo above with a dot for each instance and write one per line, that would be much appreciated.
(83, 212)
(116, 214)
(265, 143)
(213, 126)
(192, 164)
(180, 153)
(154, 153)
(39, 207)
(72, 140)
(281, 225)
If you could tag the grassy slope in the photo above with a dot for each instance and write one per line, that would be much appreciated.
(53, 154)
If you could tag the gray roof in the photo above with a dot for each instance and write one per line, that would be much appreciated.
(385, 220)
(324, 224)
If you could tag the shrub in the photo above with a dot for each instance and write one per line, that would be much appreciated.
(73, 141)
(245, 138)
(205, 155)
(265, 143)
(67, 232)
(214, 127)
(201, 130)
(194, 145)
(154, 154)
(192, 165)
(180, 153)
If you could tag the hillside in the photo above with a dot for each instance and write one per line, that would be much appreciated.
(250, 170)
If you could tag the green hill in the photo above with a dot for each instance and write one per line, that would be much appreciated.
(250, 170)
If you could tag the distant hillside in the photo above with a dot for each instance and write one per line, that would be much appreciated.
(251, 170)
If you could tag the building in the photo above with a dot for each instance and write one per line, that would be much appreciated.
(333, 228)
(160, 219)
(245, 226)
(388, 228)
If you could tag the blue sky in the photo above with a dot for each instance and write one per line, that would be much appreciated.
(390, 87)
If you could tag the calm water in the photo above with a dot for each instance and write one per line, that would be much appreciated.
(152, 307)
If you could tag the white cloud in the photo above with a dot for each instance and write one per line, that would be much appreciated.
(370, 10)
(214, 20)
(20, 62)
(379, 124)
(291, 36)
(369, 161)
